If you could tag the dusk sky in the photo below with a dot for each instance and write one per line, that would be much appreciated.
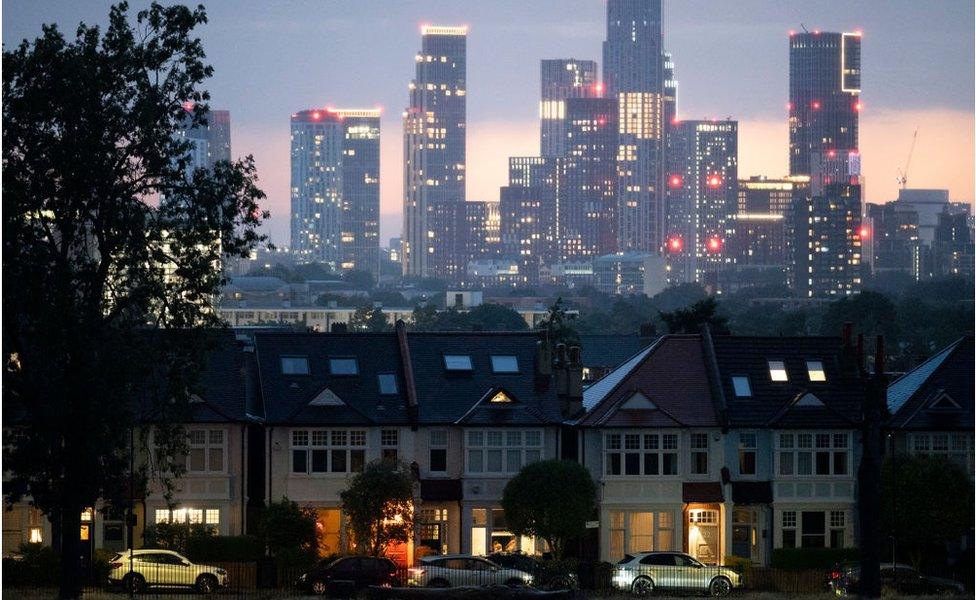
(731, 59)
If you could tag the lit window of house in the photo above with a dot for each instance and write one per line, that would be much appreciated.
(504, 364)
(815, 370)
(320, 451)
(640, 454)
(502, 451)
(294, 365)
(813, 454)
(190, 515)
(699, 454)
(35, 535)
(740, 384)
(640, 531)
(207, 451)
(389, 441)
(747, 454)
(457, 362)
(777, 371)
(343, 366)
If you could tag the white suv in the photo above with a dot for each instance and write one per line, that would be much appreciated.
(163, 568)
(452, 570)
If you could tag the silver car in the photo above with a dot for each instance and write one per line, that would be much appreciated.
(645, 572)
(453, 570)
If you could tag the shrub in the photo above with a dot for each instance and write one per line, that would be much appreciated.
(37, 565)
(175, 536)
(225, 548)
(811, 558)
(738, 563)
(289, 532)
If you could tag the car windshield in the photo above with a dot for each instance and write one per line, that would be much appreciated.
(626, 559)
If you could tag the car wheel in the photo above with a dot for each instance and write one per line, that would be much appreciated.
(515, 583)
(559, 583)
(134, 583)
(319, 587)
(438, 583)
(206, 584)
(642, 586)
(720, 586)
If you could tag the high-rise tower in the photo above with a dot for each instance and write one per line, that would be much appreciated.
(434, 153)
(360, 233)
(825, 88)
(634, 76)
(560, 79)
(316, 186)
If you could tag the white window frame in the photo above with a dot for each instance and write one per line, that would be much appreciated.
(835, 520)
(695, 447)
(658, 442)
(742, 447)
(329, 441)
(811, 443)
(207, 446)
(432, 445)
(480, 442)
(390, 440)
(957, 448)
(194, 515)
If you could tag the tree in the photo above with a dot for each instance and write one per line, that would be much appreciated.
(494, 317)
(379, 506)
(362, 280)
(689, 320)
(558, 325)
(927, 503)
(109, 239)
(369, 318)
(424, 317)
(551, 499)
(289, 532)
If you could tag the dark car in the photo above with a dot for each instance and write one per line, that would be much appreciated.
(356, 572)
(546, 576)
(844, 580)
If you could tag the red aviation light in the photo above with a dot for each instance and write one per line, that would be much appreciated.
(792, 32)
(675, 244)
(714, 181)
(789, 106)
(858, 106)
(865, 233)
(601, 121)
(675, 181)
(598, 88)
(316, 115)
(815, 105)
(714, 244)
(188, 106)
(831, 153)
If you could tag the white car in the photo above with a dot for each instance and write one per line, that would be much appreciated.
(453, 570)
(163, 568)
(645, 572)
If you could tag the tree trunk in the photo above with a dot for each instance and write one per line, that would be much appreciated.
(869, 478)
(70, 584)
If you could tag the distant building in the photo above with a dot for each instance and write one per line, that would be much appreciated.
(952, 250)
(928, 204)
(702, 197)
(360, 232)
(434, 126)
(560, 79)
(825, 87)
(495, 271)
(892, 232)
(825, 259)
(316, 187)
(209, 143)
(629, 273)
(480, 233)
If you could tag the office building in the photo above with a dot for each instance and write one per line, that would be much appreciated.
(702, 197)
(634, 76)
(825, 87)
(560, 79)
(434, 151)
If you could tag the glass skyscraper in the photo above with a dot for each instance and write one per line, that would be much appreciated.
(434, 154)
(562, 78)
(316, 187)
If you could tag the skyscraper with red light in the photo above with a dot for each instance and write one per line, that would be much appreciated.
(634, 76)
(825, 88)
(702, 195)
(316, 187)
(562, 78)
(434, 126)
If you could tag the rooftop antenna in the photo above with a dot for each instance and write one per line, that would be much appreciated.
(804, 28)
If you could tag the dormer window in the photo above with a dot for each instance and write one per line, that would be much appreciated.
(815, 370)
(504, 364)
(343, 366)
(457, 362)
(740, 384)
(294, 365)
(777, 370)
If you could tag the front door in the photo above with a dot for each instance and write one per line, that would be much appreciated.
(703, 535)
(742, 541)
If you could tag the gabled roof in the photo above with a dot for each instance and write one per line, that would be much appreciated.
(511, 411)
(787, 403)
(670, 374)
(922, 398)
(445, 397)
(609, 351)
(320, 397)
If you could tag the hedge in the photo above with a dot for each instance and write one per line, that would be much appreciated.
(224, 548)
(811, 558)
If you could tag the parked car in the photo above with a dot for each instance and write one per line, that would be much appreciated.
(361, 571)
(844, 579)
(453, 570)
(143, 569)
(646, 572)
(545, 576)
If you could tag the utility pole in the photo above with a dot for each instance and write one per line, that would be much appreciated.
(873, 412)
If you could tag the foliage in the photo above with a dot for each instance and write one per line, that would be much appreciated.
(389, 298)
(361, 280)
(35, 565)
(486, 317)
(558, 325)
(551, 499)
(811, 558)
(289, 532)
(379, 505)
(738, 564)
(225, 548)
(690, 320)
(175, 536)
(927, 502)
(369, 318)
(107, 231)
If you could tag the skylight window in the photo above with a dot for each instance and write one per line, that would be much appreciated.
(741, 386)
(457, 362)
(815, 370)
(777, 370)
(294, 365)
(343, 366)
(504, 364)
(388, 383)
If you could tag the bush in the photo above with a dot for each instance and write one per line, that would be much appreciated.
(594, 575)
(175, 536)
(37, 565)
(738, 563)
(811, 558)
(100, 565)
(225, 548)
(289, 532)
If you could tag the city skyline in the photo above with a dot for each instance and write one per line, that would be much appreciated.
(912, 79)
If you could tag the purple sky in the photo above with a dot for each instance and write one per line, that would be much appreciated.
(731, 59)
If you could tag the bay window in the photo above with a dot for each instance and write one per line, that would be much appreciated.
(813, 454)
(320, 451)
(631, 453)
(497, 451)
(814, 528)
(640, 531)
(206, 451)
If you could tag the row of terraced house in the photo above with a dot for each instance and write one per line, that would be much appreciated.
(713, 445)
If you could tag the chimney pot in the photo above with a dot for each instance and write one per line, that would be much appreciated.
(846, 333)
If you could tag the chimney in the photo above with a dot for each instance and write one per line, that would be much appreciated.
(413, 408)
(879, 356)
(560, 370)
(543, 365)
(846, 333)
(860, 353)
(572, 402)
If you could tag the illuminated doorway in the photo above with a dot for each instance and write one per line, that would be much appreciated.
(704, 541)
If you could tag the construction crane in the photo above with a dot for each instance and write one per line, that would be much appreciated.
(903, 173)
